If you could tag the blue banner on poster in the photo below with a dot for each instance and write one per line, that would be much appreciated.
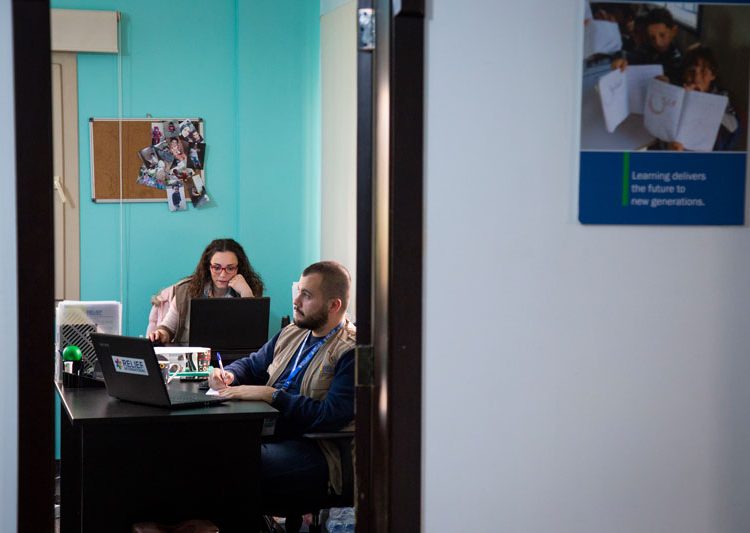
(662, 188)
(664, 128)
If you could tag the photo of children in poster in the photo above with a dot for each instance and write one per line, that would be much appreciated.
(664, 78)
(174, 162)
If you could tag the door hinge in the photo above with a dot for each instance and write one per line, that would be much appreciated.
(365, 363)
(366, 20)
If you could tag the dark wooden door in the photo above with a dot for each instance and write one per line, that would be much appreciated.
(389, 270)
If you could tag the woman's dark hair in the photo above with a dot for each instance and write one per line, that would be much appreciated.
(697, 55)
(202, 274)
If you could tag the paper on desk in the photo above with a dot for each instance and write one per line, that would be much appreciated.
(169, 350)
(212, 392)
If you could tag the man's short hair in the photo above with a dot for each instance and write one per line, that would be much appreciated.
(660, 15)
(336, 279)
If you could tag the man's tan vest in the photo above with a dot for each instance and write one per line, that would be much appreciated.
(316, 379)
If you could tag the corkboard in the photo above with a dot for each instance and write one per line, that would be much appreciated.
(105, 159)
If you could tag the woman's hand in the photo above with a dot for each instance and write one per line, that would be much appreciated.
(240, 286)
(159, 335)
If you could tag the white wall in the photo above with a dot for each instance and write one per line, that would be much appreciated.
(9, 307)
(576, 378)
(338, 78)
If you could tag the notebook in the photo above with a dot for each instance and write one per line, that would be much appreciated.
(131, 373)
(232, 326)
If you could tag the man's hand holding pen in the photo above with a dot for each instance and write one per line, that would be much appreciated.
(220, 379)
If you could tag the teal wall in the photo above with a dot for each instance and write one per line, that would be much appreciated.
(279, 115)
(250, 69)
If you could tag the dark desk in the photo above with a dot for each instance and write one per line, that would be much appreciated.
(123, 463)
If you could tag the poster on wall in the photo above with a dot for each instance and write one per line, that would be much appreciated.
(664, 107)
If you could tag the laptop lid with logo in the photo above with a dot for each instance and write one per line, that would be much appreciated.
(131, 370)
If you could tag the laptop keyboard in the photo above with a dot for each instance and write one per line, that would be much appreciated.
(187, 397)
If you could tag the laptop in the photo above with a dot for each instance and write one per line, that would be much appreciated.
(232, 326)
(131, 373)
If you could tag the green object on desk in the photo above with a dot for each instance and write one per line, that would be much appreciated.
(189, 374)
(72, 353)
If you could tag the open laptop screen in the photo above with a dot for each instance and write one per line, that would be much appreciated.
(229, 324)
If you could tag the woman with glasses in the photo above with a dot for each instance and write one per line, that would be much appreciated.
(222, 272)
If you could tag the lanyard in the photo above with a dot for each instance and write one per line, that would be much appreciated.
(310, 354)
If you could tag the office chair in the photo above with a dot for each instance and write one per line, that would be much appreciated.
(344, 441)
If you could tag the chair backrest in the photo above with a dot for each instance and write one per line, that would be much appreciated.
(346, 449)
(344, 440)
(159, 307)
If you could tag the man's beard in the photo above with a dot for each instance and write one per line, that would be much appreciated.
(312, 321)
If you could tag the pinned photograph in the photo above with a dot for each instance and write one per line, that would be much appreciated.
(176, 198)
(162, 150)
(198, 194)
(195, 138)
(157, 133)
(181, 174)
(156, 178)
(178, 148)
(149, 157)
(195, 155)
(186, 130)
(170, 129)
(147, 179)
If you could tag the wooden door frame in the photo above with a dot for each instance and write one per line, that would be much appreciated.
(364, 384)
(396, 325)
(389, 473)
(33, 128)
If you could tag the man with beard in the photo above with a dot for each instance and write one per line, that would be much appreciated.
(306, 372)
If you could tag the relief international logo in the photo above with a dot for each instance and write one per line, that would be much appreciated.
(130, 365)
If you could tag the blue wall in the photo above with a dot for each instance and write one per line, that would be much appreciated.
(279, 115)
(250, 69)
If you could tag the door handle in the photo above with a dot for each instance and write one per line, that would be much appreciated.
(57, 184)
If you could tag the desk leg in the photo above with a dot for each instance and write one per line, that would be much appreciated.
(70, 475)
(235, 501)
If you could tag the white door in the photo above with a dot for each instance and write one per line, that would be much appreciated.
(65, 175)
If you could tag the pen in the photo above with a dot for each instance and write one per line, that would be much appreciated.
(221, 366)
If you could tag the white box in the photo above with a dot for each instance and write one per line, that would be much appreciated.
(75, 320)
